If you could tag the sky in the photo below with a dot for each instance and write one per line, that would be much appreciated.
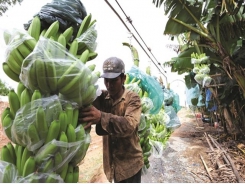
(146, 18)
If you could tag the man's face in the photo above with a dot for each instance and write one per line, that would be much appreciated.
(114, 86)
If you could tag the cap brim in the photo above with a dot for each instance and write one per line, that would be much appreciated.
(110, 75)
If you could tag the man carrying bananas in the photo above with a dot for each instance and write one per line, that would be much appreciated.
(116, 114)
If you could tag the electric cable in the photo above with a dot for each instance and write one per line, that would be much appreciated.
(130, 21)
(134, 37)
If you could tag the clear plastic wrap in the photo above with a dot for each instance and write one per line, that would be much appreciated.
(41, 178)
(8, 172)
(193, 92)
(88, 38)
(147, 105)
(157, 148)
(142, 124)
(149, 84)
(26, 116)
(133, 87)
(13, 39)
(67, 150)
(174, 121)
(59, 72)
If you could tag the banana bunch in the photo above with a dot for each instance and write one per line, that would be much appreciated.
(199, 58)
(54, 80)
(144, 143)
(57, 146)
(20, 45)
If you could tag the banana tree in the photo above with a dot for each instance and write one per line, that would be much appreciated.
(214, 28)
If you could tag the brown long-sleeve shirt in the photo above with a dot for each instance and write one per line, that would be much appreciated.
(122, 153)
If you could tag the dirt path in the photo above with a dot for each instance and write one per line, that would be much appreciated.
(180, 161)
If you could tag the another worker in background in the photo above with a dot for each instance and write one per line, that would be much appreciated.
(116, 114)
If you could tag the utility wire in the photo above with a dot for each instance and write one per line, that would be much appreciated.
(134, 37)
(130, 21)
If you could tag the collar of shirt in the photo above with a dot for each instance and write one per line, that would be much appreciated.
(120, 99)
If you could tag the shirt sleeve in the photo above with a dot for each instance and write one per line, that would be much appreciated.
(124, 124)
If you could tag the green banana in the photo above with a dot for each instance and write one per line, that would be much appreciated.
(7, 125)
(30, 43)
(52, 110)
(41, 77)
(25, 97)
(32, 79)
(92, 67)
(64, 171)
(73, 48)
(17, 56)
(14, 101)
(89, 95)
(11, 148)
(10, 73)
(74, 83)
(43, 32)
(25, 155)
(75, 174)
(92, 22)
(52, 30)
(63, 138)
(13, 65)
(62, 40)
(92, 55)
(47, 166)
(69, 174)
(69, 112)
(6, 155)
(46, 151)
(63, 121)
(69, 74)
(68, 33)
(34, 141)
(53, 178)
(29, 167)
(20, 89)
(5, 112)
(71, 134)
(80, 133)
(127, 79)
(84, 25)
(34, 29)
(19, 153)
(24, 50)
(41, 123)
(51, 76)
(53, 131)
(84, 56)
(57, 161)
(36, 95)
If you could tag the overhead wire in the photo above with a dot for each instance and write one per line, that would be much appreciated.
(130, 21)
(134, 37)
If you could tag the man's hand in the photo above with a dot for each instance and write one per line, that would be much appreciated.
(90, 114)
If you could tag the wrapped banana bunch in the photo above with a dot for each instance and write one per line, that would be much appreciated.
(47, 137)
(19, 46)
(51, 69)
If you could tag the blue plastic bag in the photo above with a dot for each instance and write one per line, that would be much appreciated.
(151, 85)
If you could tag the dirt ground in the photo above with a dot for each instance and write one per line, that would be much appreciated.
(183, 160)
